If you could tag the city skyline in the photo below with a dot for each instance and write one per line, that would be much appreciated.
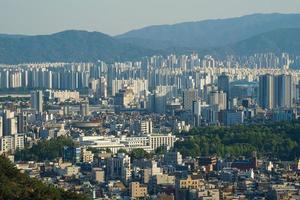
(102, 99)
(113, 17)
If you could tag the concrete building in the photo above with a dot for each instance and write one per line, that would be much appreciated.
(234, 117)
(138, 86)
(158, 140)
(11, 143)
(98, 175)
(223, 85)
(9, 123)
(84, 108)
(137, 191)
(119, 168)
(124, 98)
(183, 186)
(266, 91)
(283, 91)
(1, 126)
(87, 156)
(146, 126)
(151, 171)
(219, 99)
(276, 91)
(63, 95)
(197, 112)
(189, 96)
(173, 158)
(190, 182)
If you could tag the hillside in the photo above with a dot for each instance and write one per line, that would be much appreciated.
(238, 36)
(15, 185)
(211, 33)
(67, 46)
(79, 46)
(277, 41)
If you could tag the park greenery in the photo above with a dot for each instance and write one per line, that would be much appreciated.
(280, 140)
(45, 149)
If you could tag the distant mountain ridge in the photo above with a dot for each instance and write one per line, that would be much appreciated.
(12, 36)
(214, 33)
(276, 41)
(239, 36)
(66, 46)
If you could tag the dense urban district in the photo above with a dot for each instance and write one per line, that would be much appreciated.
(163, 127)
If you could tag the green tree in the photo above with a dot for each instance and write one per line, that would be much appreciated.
(280, 140)
(139, 154)
(122, 151)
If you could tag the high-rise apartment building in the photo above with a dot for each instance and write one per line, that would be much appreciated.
(37, 101)
(9, 123)
(11, 143)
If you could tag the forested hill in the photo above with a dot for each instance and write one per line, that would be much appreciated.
(15, 185)
(212, 33)
(258, 33)
(276, 41)
(66, 46)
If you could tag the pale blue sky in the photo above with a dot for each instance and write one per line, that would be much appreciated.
(118, 16)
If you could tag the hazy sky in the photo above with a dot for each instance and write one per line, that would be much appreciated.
(118, 16)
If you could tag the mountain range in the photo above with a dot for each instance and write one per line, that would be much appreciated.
(214, 33)
(245, 35)
(67, 46)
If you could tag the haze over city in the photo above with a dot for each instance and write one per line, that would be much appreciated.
(115, 17)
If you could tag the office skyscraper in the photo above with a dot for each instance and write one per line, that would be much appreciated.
(283, 91)
(1, 126)
(218, 99)
(266, 91)
(223, 85)
(21, 123)
(188, 97)
(197, 112)
(37, 101)
(275, 91)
